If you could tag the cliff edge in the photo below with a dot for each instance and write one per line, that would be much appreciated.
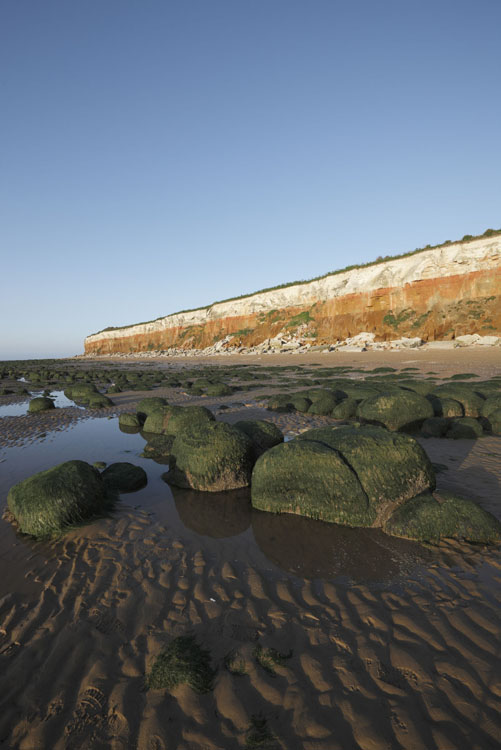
(440, 293)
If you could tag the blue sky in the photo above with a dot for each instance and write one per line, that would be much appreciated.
(158, 155)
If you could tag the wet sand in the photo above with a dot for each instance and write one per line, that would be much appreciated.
(392, 644)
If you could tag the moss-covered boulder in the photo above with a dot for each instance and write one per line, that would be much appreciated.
(129, 421)
(40, 403)
(169, 420)
(211, 457)
(429, 518)
(312, 480)
(323, 404)
(300, 402)
(80, 391)
(281, 402)
(48, 502)
(467, 396)
(495, 421)
(187, 416)
(404, 411)
(159, 448)
(445, 407)
(346, 409)
(390, 468)
(435, 427)
(465, 428)
(490, 405)
(97, 401)
(147, 406)
(218, 389)
(124, 477)
(263, 434)
(359, 391)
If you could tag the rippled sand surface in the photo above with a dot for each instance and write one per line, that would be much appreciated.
(386, 643)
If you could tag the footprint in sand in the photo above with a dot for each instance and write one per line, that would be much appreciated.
(105, 623)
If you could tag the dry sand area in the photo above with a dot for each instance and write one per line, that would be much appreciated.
(385, 643)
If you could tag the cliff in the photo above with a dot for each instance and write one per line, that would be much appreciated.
(441, 293)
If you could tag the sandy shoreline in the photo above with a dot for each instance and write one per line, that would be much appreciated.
(485, 360)
(394, 644)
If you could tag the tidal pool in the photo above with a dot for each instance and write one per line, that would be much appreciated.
(224, 524)
(21, 407)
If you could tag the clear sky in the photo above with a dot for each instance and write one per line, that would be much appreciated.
(159, 155)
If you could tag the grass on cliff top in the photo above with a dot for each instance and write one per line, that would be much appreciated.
(381, 259)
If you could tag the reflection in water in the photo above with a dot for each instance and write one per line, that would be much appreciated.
(20, 408)
(217, 515)
(315, 549)
(305, 548)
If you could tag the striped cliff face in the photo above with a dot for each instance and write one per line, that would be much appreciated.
(435, 294)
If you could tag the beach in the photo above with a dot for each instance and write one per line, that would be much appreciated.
(321, 637)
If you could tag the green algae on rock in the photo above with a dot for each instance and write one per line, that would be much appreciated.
(428, 519)
(40, 403)
(349, 475)
(391, 468)
(218, 389)
(52, 500)
(470, 399)
(124, 477)
(129, 421)
(148, 405)
(169, 420)
(405, 410)
(464, 428)
(495, 421)
(263, 434)
(211, 457)
(310, 479)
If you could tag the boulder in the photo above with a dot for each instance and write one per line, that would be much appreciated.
(406, 343)
(446, 407)
(490, 405)
(346, 409)
(218, 389)
(169, 420)
(300, 402)
(80, 391)
(312, 480)
(495, 422)
(465, 428)
(429, 518)
(129, 422)
(282, 402)
(40, 403)
(147, 406)
(124, 477)
(211, 457)
(48, 502)
(350, 475)
(435, 427)
(397, 411)
(262, 434)
(323, 404)
(471, 401)
(390, 468)
(97, 401)
(159, 448)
